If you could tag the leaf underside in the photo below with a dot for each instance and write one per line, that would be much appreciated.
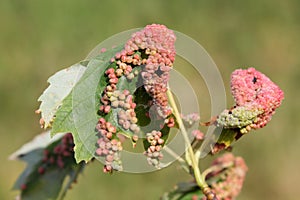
(61, 84)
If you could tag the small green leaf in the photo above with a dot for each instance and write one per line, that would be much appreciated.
(227, 137)
(219, 139)
(61, 84)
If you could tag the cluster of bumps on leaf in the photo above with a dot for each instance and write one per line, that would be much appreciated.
(256, 98)
(59, 154)
(226, 177)
(56, 156)
(153, 50)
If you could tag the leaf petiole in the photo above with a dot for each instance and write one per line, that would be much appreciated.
(197, 173)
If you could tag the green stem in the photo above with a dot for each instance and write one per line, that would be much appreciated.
(199, 178)
(179, 159)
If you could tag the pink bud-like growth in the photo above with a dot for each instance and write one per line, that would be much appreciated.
(157, 42)
(254, 90)
(231, 172)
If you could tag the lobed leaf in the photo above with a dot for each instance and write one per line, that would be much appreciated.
(50, 184)
(78, 112)
(61, 84)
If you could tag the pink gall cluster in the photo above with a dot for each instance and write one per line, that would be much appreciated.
(231, 172)
(58, 155)
(153, 152)
(198, 134)
(113, 78)
(218, 147)
(190, 119)
(153, 49)
(108, 147)
(126, 114)
(255, 91)
(111, 87)
(170, 122)
(156, 43)
(113, 98)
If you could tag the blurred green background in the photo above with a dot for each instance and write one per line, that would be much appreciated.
(37, 38)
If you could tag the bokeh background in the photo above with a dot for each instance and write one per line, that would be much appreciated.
(37, 38)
